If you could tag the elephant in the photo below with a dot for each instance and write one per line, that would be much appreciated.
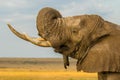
(90, 39)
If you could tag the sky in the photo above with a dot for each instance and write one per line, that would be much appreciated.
(22, 15)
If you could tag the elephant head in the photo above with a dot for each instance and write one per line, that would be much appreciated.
(46, 18)
(79, 37)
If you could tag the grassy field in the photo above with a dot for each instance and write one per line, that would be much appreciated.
(40, 69)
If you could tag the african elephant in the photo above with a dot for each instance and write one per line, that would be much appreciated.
(90, 39)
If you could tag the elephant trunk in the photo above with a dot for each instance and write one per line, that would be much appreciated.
(46, 20)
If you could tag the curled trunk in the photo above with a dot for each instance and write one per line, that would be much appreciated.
(46, 20)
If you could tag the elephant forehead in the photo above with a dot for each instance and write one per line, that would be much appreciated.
(71, 21)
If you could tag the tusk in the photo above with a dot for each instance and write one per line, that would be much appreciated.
(22, 36)
(37, 41)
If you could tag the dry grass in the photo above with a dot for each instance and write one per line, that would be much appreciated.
(20, 74)
(52, 70)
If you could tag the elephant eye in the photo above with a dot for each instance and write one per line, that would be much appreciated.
(75, 30)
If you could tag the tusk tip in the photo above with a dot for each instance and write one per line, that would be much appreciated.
(9, 25)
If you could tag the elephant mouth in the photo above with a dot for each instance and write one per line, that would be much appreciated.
(62, 49)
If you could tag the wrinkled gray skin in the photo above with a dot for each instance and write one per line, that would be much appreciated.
(90, 39)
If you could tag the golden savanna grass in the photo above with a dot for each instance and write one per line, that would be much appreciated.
(49, 70)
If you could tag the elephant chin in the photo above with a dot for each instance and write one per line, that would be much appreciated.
(37, 41)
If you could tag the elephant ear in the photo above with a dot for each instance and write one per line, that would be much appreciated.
(104, 54)
(92, 29)
(97, 28)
